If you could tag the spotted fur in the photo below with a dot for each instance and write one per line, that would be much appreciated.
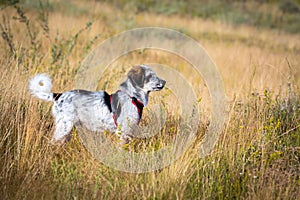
(99, 111)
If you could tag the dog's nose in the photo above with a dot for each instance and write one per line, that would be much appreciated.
(161, 84)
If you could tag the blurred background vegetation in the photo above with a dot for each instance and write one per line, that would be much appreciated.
(274, 14)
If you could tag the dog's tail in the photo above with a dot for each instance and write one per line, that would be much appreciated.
(40, 86)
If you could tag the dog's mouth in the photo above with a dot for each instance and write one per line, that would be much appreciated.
(158, 88)
(160, 85)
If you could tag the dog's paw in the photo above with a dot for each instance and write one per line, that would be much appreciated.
(125, 139)
(119, 133)
(60, 142)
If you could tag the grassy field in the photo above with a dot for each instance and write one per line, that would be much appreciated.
(256, 47)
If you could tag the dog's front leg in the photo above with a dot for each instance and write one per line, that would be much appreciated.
(124, 131)
(125, 137)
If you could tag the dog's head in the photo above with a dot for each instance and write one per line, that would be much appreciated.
(144, 78)
(141, 80)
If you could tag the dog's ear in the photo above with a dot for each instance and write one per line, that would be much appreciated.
(137, 76)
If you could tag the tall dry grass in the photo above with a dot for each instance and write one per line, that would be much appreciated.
(257, 156)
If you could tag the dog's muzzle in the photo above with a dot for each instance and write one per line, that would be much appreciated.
(160, 85)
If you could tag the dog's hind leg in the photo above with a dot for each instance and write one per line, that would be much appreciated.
(63, 127)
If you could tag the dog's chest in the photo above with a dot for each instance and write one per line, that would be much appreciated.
(125, 108)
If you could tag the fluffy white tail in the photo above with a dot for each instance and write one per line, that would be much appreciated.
(40, 86)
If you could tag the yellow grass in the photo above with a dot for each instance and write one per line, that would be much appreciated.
(256, 156)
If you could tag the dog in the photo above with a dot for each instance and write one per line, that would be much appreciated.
(118, 113)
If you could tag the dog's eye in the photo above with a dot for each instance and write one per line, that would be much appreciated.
(148, 78)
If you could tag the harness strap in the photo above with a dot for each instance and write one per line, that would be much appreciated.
(107, 101)
(114, 114)
(139, 105)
